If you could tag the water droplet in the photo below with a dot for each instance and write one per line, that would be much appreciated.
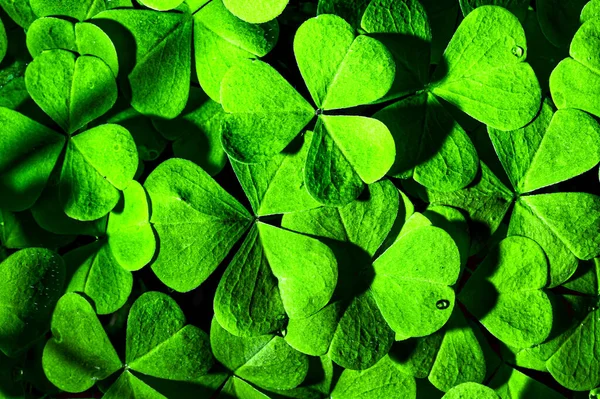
(518, 51)
(442, 304)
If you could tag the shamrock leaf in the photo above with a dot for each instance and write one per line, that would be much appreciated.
(258, 12)
(79, 10)
(72, 90)
(157, 89)
(102, 269)
(537, 156)
(84, 38)
(158, 344)
(266, 360)
(31, 281)
(519, 313)
(221, 40)
(24, 171)
(369, 292)
(471, 390)
(510, 383)
(590, 10)
(333, 75)
(161, 5)
(196, 133)
(383, 380)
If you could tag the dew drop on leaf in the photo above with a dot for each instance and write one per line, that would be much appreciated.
(442, 304)
(517, 51)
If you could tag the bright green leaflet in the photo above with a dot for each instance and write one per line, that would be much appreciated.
(196, 133)
(31, 281)
(72, 90)
(383, 380)
(24, 171)
(159, 343)
(161, 5)
(590, 11)
(155, 91)
(98, 164)
(431, 146)
(77, 9)
(518, 7)
(470, 390)
(256, 12)
(53, 33)
(475, 60)
(266, 360)
(351, 10)
(248, 301)
(186, 204)
(149, 142)
(80, 352)
(505, 293)
(559, 20)
(3, 41)
(129, 386)
(277, 186)
(19, 11)
(20, 230)
(237, 388)
(403, 26)
(575, 80)
(221, 40)
(130, 237)
(512, 384)
(273, 110)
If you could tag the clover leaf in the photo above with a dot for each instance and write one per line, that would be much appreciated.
(79, 10)
(471, 390)
(511, 383)
(221, 39)
(102, 269)
(519, 313)
(258, 12)
(158, 344)
(333, 75)
(31, 281)
(265, 360)
(157, 89)
(84, 38)
(72, 90)
(375, 299)
(536, 156)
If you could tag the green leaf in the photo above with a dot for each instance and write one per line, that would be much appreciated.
(351, 10)
(93, 270)
(505, 293)
(130, 237)
(266, 360)
(196, 220)
(313, 335)
(559, 20)
(353, 149)
(590, 11)
(159, 343)
(430, 145)
(383, 380)
(517, 7)
(510, 383)
(197, 132)
(129, 386)
(257, 12)
(221, 40)
(31, 281)
(158, 88)
(91, 40)
(238, 388)
(19, 11)
(453, 222)
(572, 217)
(161, 5)
(460, 358)
(485, 75)
(80, 352)
(471, 390)
(77, 9)
(574, 86)
(3, 41)
(98, 164)
(72, 90)
(261, 101)
(334, 63)
(416, 272)
(552, 149)
(30, 153)
(403, 27)
(277, 186)
(20, 230)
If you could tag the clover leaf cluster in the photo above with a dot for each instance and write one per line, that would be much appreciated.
(345, 199)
